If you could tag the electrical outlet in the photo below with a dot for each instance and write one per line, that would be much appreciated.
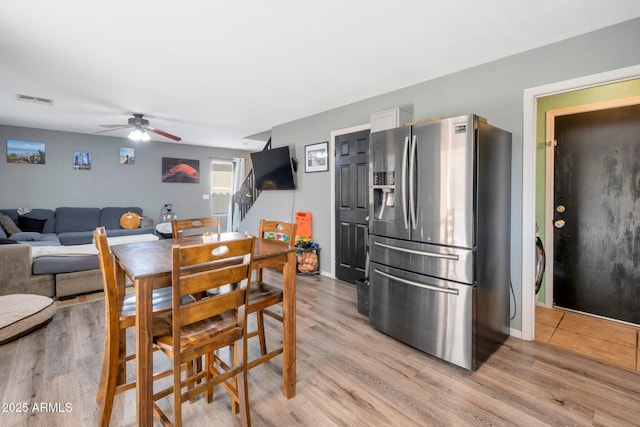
(205, 197)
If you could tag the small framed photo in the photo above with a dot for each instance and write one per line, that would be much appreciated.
(127, 156)
(82, 160)
(316, 157)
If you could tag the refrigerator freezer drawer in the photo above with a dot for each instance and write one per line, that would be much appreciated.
(432, 315)
(449, 263)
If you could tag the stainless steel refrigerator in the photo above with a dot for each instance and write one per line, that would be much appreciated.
(440, 237)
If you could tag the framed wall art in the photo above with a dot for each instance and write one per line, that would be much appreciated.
(316, 157)
(127, 155)
(25, 152)
(82, 160)
(180, 170)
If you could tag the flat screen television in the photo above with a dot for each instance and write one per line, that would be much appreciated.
(274, 169)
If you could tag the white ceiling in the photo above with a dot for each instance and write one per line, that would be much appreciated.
(215, 72)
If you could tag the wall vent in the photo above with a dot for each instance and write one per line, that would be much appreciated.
(35, 99)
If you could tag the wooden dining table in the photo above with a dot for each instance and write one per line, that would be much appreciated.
(148, 266)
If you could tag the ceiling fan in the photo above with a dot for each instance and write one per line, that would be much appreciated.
(140, 130)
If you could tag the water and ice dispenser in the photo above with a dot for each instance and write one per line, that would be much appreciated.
(383, 194)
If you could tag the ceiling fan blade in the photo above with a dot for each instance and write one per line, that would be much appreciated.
(120, 126)
(163, 133)
(113, 128)
(139, 122)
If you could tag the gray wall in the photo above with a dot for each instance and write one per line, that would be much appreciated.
(493, 90)
(274, 205)
(108, 183)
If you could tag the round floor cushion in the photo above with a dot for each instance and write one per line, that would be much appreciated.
(23, 313)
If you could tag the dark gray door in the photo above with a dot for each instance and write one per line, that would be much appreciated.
(597, 213)
(352, 204)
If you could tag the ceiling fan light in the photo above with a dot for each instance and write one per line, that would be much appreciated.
(145, 136)
(135, 135)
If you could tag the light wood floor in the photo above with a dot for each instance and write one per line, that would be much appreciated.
(348, 375)
(609, 341)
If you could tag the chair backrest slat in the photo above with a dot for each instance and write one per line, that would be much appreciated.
(210, 279)
(213, 305)
(206, 266)
(194, 226)
(278, 229)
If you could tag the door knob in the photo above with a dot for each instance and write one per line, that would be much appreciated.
(559, 223)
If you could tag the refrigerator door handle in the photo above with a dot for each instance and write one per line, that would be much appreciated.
(416, 284)
(454, 257)
(405, 155)
(412, 183)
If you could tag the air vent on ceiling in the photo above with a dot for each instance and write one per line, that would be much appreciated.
(35, 99)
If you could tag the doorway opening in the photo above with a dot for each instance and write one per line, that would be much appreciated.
(530, 98)
(220, 188)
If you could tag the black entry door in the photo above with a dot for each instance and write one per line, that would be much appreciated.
(597, 213)
(352, 204)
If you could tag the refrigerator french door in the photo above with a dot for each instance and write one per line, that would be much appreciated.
(440, 236)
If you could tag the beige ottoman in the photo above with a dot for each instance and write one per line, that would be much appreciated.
(23, 313)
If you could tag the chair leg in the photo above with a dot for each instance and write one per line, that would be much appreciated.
(261, 337)
(191, 369)
(209, 360)
(108, 379)
(235, 405)
(122, 353)
(104, 373)
(177, 392)
(243, 390)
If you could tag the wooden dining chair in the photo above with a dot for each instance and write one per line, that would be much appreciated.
(194, 226)
(263, 295)
(119, 315)
(217, 320)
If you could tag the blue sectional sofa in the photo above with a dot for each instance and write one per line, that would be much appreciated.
(57, 276)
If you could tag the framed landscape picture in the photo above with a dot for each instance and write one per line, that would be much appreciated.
(25, 152)
(180, 170)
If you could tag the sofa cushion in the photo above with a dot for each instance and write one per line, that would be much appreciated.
(76, 237)
(64, 264)
(76, 219)
(5, 241)
(27, 236)
(110, 216)
(36, 239)
(27, 223)
(3, 234)
(9, 225)
(46, 214)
